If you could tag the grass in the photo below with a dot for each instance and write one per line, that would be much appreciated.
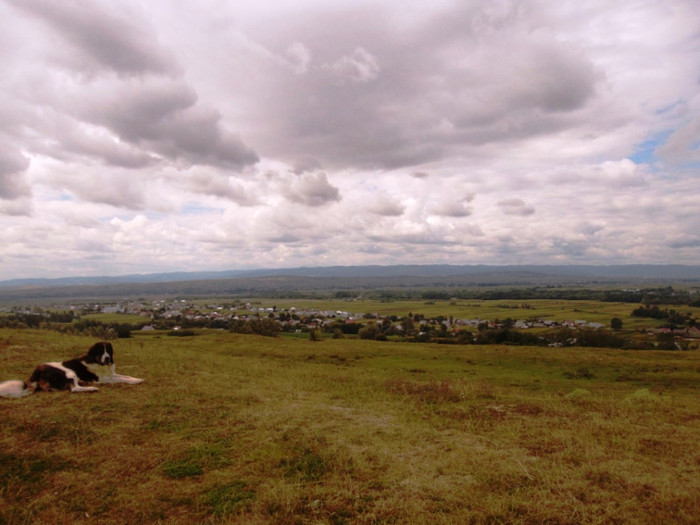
(230, 428)
(119, 318)
(548, 309)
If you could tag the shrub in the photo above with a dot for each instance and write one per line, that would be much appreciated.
(371, 331)
(616, 323)
(350, 328)
(265, 326)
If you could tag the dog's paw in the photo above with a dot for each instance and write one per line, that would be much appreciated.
(119, 378)
(84, 389)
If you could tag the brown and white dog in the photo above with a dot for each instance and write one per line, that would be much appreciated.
(76, 375)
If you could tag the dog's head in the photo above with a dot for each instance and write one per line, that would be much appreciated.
(101, 353)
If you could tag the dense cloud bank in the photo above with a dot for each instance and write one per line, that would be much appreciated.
(148, 137)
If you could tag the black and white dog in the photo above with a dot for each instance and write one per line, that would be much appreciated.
(76, 375)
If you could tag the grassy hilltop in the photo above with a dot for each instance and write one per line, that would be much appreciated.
(233, 428)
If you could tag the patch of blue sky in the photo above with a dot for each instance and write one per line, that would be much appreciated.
(645, 152)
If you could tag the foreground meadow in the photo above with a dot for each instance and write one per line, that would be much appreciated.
(235, 428)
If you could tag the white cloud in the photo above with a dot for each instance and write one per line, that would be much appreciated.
(163, 116)
(12, 181)
(137, 137)
(360, 66)
(300, 57)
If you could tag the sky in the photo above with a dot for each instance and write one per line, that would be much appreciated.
(187, 135)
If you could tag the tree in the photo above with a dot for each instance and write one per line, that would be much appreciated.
(370, 331)
(616, 323)
(265, 326)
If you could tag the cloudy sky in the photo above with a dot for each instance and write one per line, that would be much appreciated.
(149, 136)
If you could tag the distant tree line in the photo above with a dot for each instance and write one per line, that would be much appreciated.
(66, 322)
(648, 296)
(35, 319)
(674, 318)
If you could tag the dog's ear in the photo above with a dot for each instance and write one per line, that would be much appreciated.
(100, 353)
(94, 353)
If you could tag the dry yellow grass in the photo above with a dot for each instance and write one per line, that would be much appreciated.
(244, 429)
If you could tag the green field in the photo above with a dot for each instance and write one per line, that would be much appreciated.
(552, 309)
(116, 318)
(232, 428)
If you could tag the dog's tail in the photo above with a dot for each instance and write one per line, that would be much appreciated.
(15, 388)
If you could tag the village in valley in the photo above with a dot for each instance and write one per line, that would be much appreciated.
(161, 314)
(183, 317)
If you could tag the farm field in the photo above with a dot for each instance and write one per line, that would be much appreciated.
(231, 428)
(550, 309)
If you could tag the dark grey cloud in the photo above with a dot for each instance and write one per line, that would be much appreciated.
(107, 69)
(285, 238)
(164, 116)
(12, 167)
(453, 206)
(13, 186)
(387, 207)
(686, 241)
(386, 93)
(516, 206)
(100, 35)
(224, 187)
(310, 189)
(305, 164)
(12, 161)
(117, 189)
(99, 146)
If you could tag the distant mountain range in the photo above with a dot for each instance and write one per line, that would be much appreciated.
(665, 272)
(351, 278)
